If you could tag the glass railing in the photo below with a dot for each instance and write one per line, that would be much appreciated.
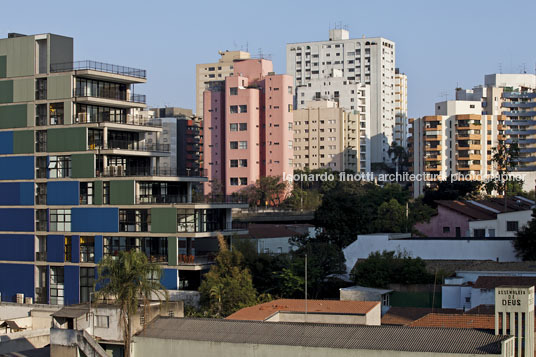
(130, 119)
(98, 66)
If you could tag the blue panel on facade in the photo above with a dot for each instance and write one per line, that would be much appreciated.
(75, 250)
(98, 248)
(17, 247)
(95, 220)
(17, 168)
(16, 278)
(16, 193)
(169, 279)
(6, 142)
(56, 248)
(63, 193)
(17, 219)
(72, 285)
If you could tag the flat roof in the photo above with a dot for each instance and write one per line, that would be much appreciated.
(359, 337)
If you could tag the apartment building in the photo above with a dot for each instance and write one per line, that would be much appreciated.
(514, 96)
(248, 127)
(184, 133)
(326, 136)
(457, 140)
(351, 97)
(401, 109)
(370, 61)
(79, 181)
(213, 72)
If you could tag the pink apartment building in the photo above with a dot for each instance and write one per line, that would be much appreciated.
(248, 126)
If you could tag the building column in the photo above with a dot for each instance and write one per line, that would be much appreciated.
(189, 192)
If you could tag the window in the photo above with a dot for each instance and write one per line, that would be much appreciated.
(243, 126)
(290, 89)
(233, 91)
(233, 109)
(458, 232)
(233, 127)
(68, 249)
(491, 232)
(56, 285)
(59, 166)
(385, 300)
(243, 181)
(479, 233)
(234, 145)
(512, 226)
(243, 109)
(234, 163)
(243, 163)
(60, 220)
(106, 192)
(56, 113)
(446, 229)
(41, 193)
(290, 108)
(102, 321)
(40, 89)
(87, 279)
(243, 145)
(86, 193)
(134, 220)
(234, 181)
(87, 249)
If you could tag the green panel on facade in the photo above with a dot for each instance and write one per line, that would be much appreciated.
(163, 220)
(23, 90)
(13, 116)
(83, 165)
(3, 66)
(59, 87)
(173, 253)
(23, 142)
(66, 139)
(97, 193)
(122, 192)
(6, 92)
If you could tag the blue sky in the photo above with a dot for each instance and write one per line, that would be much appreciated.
(440, 44)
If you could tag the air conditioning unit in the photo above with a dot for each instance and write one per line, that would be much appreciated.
(20, 298)
(28, 300)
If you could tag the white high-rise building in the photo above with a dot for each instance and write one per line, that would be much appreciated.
(401, 109)
(365, 60)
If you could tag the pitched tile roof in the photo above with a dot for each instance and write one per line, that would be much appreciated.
(482, 310)
(491, 282)
(456, 321)
(405, 315)
(361, 337)
(467, 209)
(263, 311)
(486, 209)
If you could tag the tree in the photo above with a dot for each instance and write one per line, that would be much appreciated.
(451, 190)
(391, 217)
(127, 278)
(268, 190)
(525, 241)
(507, 159)
(381, 269)
(227, 287)
(399, 156)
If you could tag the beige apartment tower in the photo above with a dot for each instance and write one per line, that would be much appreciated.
(212, 72)
(326, 136)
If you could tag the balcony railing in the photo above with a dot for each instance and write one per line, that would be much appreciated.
(135, 146)
(130, 119)
(98, 66)
(177, 199)
(117, 95)
(185, 259)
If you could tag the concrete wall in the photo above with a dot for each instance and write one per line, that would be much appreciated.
(24, 340)
(444, 218)
(316, 317)
(143, 346)
(433, 249)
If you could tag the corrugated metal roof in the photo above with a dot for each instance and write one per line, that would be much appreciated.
(387, 338)
(491, 282)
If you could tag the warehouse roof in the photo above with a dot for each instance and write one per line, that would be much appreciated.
(491, 282)
(361, 337)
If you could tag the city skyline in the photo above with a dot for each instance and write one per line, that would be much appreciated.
(441, 48)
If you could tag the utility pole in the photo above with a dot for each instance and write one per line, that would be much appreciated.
(305, 287)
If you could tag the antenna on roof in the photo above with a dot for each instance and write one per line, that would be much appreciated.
(500, 67)
(444, 94)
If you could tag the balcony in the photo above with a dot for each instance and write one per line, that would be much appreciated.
(524, 95)
(519, 104)
(519, 113)
(41, 296)
(115, 96)
(180, 199)
(468, 167)
(130, 119)
(132, 146)
(41, 256)
(207, 259)
(460, 136)
(99, 67)
(431, 148)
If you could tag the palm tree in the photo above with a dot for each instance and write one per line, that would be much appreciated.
(399, 155)
(127, 278)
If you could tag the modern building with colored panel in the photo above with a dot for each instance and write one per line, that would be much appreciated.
(247, 126)
(79, 181)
